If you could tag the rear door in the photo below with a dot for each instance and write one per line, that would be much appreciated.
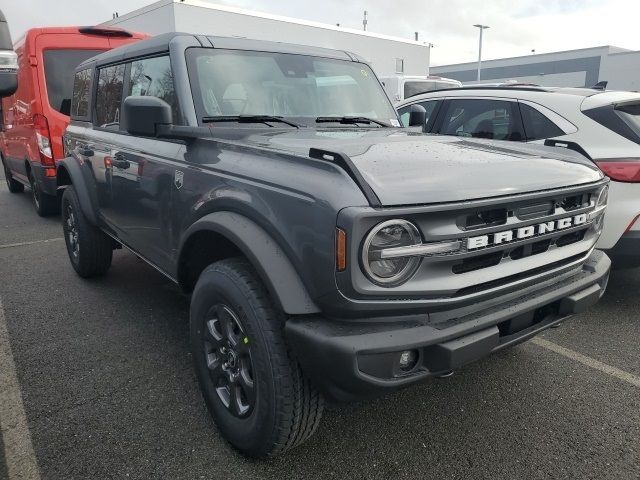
(57, 56)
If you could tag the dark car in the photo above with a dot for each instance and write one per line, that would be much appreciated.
(327, 252)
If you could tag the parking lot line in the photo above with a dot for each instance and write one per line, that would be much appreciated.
(19, 456)
(588, 361)
(20, 244)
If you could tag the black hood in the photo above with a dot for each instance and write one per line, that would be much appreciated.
(407, 168)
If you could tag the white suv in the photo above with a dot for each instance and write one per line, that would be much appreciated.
(602, 125)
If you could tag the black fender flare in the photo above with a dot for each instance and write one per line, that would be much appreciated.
(88, 202)
(264, 253)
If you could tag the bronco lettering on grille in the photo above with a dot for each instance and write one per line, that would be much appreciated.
(529, 231)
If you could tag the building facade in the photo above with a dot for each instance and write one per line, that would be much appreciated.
(387, 55)
(573, 68)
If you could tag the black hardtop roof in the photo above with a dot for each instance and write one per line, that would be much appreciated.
(160, 43)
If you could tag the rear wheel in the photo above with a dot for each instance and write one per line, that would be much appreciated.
(13, 185)
(90, 249)
(255, 390)
(44, 204)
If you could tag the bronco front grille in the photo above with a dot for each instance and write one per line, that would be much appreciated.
(507, 242)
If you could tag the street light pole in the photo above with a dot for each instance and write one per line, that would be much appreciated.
(481, 27)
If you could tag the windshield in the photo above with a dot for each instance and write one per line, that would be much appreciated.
(59, 66)
(301, 87)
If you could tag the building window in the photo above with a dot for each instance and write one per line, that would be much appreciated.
(399, 65)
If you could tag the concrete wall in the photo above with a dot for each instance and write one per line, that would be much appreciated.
(154, 19)
(576, 68)
(201, 17)
(622, 71)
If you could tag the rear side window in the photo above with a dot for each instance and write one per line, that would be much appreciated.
(59, 66)
(494, 119)
(536, 125)
(80, 98)
(153, 77)
(109, 96)
(622, 119)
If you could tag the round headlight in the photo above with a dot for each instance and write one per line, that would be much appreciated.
(390, 234)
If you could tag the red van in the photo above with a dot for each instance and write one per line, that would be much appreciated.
(35, 117)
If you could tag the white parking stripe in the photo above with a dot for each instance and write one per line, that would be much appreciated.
(588, 361)
(10, 245)
(19, 455)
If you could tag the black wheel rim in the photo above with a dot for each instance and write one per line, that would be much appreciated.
(71, 231)
(228, 358)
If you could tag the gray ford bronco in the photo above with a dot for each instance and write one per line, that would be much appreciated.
(328, 252)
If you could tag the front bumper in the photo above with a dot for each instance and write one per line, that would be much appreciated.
(626, 252)
(350, 360)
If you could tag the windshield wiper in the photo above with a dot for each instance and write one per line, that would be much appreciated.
(351, 120)
(249, 119)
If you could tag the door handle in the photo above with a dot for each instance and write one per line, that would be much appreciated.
(85, 150)
(120, 162)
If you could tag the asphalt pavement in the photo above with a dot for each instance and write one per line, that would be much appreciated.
(105, 385)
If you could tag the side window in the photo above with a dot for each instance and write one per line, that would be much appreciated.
(153, 77)
(428, 106)
(80, 97)
(109, 96)
(496, 119)
(536, 125)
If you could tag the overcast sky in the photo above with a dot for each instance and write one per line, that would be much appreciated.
(517, 26)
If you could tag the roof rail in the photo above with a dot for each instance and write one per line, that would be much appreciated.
(506, 87)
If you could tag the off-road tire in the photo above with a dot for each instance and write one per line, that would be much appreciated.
(95, 248)
(44, 204)
(13, 185)
(287, 408)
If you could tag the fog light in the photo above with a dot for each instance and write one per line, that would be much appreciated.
(408, 360)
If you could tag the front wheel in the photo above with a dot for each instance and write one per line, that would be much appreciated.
(256, 392)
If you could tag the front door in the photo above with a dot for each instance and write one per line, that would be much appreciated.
(139, 174)
(144, 182)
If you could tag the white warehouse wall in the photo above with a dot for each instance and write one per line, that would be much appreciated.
(153, 19)
(622, 71)
(195, 16)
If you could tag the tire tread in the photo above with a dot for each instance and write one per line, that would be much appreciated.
(96, 248)
(302, 405)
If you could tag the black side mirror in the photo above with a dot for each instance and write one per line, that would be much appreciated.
(143, 115)
(417, 116)
(8, 61)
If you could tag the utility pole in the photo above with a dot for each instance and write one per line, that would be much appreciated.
(364, 21)
(481, 27)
